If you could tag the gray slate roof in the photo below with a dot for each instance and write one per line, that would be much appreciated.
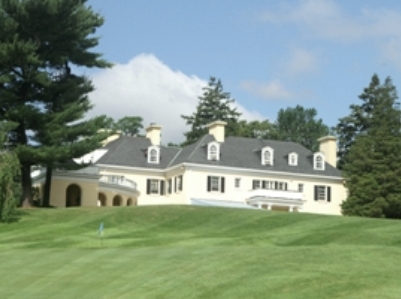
(235, 152)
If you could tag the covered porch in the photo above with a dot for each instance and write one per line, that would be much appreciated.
(276, 199)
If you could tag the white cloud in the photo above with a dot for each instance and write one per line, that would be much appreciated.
(325, 19)
(147, 87)
(272, 90)
(301, 61)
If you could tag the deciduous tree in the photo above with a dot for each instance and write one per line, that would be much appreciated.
(300, 125)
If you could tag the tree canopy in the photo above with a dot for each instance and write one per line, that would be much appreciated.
(372, 159)
(300, 125)
(40, 42)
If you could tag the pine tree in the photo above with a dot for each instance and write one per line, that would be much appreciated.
(358, 122)
(214, 104)
(373, 164)
(38, 39)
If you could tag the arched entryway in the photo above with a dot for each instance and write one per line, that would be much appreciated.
(131, 202)
(102, 200)
(117, 200)
(73, 196)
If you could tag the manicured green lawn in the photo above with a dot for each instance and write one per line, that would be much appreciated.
(193, 252)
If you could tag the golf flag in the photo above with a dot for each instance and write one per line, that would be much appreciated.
(101, 229)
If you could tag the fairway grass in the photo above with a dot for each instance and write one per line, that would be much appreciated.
(197, 252)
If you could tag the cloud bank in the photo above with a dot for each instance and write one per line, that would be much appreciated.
(147, 87)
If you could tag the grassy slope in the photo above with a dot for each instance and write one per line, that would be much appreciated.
(193, 252)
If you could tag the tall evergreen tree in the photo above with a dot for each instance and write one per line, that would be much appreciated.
(214, 104)
(37, 40)
(373, 163)
(359, 120)
(300, 125)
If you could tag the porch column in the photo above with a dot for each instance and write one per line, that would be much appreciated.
(259, 205)
(291, 209)
(269, 207)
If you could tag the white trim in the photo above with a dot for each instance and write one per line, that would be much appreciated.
(295, 156)
(269, 150)
(156, 150)
(216, 155)
(218, 168)
(315, 157)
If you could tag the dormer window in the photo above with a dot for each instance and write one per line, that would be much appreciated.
(318, 161)
(153, 155)
(293, 159)
(267, 156)
(213, 152)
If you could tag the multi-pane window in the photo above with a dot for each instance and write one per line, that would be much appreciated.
(179, 183)
(154, 186)
(323, 193)
(213, 152)
(272, 185)
(293, 159)
(153, 155)
(318, 162)
(267, 157)
(237, 182)
(301, 187)
(215, 184)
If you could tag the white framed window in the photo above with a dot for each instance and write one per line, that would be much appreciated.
(318, 161)
(301, 187)
(323, 193)
(215, 184)
(153, 155)
(179, 183)
(155, 186)
(213, 151)
(237, 183)
(255, 184)
(293, 159)
(267, 156)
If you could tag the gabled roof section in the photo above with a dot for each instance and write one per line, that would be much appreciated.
(240, 152)
(132, 151)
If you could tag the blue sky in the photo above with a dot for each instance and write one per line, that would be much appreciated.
(268, 54)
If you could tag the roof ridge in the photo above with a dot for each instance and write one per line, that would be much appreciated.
(175, 157)
(196, 147)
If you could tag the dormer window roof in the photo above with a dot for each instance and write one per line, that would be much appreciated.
(154, 154)
(267, 156)
(213, 151)
(318, 161)
(293, 159)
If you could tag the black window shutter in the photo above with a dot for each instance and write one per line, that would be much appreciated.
(148, 186)
(182, 183)
(264, 184)
(162, 191)
(209, 184)
(315, 192)
(328, 194)
(222, 184)
(169, 186)
(285, 186)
